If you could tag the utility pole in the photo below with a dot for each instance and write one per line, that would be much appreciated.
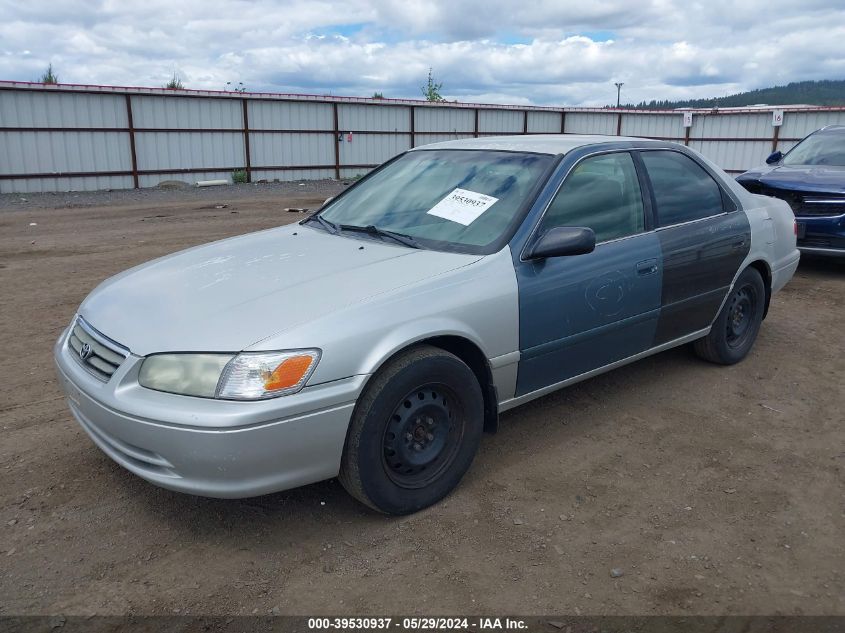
(618, 92)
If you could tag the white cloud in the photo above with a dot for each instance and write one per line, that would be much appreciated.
(543, 52)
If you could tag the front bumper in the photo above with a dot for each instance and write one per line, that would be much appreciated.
(822, 235)
(210, 447)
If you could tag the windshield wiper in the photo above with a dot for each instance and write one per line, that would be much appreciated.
(371, 229)
(331, 227)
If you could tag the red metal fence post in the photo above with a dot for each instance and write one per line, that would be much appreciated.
(336, 142)
(247, 161)
(131, 129)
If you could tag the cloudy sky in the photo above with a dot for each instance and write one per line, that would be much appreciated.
(542, 52)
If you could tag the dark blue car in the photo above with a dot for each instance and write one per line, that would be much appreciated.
(811, 178)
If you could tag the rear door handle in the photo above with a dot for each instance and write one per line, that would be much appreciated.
(738, 243)
(647, 267)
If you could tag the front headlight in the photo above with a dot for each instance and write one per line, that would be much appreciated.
(247, 376)
(185, 374)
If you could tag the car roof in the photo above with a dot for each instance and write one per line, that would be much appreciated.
(832, 129)
(539, 143)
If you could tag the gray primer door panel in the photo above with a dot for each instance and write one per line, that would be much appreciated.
(583, 312)
(703, 240)
(700, 260)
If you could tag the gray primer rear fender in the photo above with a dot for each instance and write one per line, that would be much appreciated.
(477, 302)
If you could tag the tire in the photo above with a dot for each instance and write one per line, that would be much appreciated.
(735, 329)
(414, 432)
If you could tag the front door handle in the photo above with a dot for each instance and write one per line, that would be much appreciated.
(647, 267)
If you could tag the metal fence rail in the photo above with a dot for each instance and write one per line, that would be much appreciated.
(69, 137)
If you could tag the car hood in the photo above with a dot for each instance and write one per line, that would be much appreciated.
(816, 178)
(229, 295)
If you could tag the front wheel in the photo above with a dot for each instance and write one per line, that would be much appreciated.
(414, 432)
(735, 329)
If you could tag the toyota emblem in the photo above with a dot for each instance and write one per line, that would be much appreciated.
(85, 351)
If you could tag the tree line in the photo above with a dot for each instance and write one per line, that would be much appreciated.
(827, 92)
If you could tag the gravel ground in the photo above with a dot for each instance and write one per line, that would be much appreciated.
(670, 486)
(178, 192)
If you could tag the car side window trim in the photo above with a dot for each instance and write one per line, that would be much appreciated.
(647, 206)
(729, 202)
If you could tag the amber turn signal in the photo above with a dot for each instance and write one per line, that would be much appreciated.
(287, 373)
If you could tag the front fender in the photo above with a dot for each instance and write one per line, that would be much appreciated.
(407, 334)
(477, 302)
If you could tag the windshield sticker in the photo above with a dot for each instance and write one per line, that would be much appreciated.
(463, 206)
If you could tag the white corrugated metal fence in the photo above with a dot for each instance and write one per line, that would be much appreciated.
(67, 137)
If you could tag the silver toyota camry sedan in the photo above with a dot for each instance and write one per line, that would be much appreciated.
(379, 338)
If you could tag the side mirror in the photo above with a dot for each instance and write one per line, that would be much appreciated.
(774, 157)
(563, 240)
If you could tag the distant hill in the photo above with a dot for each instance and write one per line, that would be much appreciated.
(827, 92)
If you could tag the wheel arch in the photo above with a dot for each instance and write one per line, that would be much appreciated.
(765, 271)
(471, 354)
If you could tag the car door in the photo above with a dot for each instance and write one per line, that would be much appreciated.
(704, 239)
(579, 313)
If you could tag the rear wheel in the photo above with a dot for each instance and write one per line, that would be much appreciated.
(414, 432)
(735, 329)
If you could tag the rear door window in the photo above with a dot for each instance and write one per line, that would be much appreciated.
(683, 190)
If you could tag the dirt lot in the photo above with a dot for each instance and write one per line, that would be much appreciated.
(714, 490)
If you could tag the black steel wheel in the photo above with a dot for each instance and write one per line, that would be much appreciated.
(741, 308)
(423, 435)
(414, 432)
(736, 327)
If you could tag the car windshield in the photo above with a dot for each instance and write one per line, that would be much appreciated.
(818, 149)
(444, 199)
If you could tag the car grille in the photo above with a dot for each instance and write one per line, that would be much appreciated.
(815, 242)
(820, 206)
(97, 353)
(808, 205)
